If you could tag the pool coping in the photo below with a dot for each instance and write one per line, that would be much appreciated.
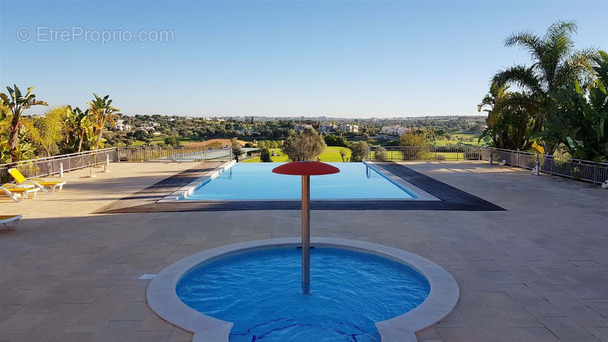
(189, 189)
(407, 187)
(163, 300)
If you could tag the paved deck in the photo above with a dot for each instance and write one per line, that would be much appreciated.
(535, 272)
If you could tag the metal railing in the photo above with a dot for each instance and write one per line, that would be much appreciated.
(428, 153)
(583, 170)
(56, 164)
(41, 167)
(578, 169)
(174, 154)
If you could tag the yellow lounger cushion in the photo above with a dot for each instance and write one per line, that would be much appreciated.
(13, 190)
(41, 183)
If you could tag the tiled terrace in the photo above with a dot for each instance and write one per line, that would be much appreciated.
(535, 272)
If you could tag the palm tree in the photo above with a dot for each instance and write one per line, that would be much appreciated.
(102, 112)
(555, 65)
(17, 104)
(511, 118)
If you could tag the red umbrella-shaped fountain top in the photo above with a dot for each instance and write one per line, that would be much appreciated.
(306, 168)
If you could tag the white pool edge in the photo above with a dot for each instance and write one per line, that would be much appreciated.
(187, 190)
(163, 300)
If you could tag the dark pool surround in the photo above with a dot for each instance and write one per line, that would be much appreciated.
(450, 198)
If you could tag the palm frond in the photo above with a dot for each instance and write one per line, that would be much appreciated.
(527, 41)
(519, 75)
(560, 28)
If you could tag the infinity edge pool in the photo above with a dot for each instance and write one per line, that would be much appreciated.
(412, 190)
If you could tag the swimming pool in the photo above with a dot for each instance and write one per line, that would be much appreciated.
(259, 291)
(255, 181)
(163, 299)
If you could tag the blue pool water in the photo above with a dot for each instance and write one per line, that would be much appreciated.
(255, 181)
(260, 292)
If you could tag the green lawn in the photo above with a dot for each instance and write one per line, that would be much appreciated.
(467, 139)
(331, 154)
(398, 156)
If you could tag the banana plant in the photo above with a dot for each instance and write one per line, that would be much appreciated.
(85, 125)
(102, 113)
(579, 120)
(17, 104)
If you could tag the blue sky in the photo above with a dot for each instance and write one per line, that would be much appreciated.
(277, 58)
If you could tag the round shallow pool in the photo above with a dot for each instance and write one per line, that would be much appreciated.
(260, 292)
(392, 319)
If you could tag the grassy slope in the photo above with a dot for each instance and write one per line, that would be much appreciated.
(331, 154)
(455, 141)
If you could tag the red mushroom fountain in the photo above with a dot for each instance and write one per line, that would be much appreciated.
(306, 169)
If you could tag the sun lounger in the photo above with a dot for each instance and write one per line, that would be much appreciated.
(37, 182)
(13, 190)
(10, 221)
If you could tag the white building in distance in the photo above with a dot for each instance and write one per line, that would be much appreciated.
(349, 128)
(327, 128)
(301, 127)
(395, 130)
(121, 126)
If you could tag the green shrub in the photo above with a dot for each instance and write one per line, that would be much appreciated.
(265, 155)
(358, 151)
(380, 155)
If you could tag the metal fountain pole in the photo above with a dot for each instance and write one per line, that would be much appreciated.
(305, 169)
(305, 234)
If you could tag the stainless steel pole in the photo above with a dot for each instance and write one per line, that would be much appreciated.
(305, 234)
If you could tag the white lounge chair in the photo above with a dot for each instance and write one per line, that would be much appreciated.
(10, 221)
(37, 182)
(13, 190)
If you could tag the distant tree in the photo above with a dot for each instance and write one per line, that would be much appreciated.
(303, 145)
(413, 139)
(343, 152)
(265, 155)
(17, 104)
(172, 141)
(334, 140)
(380, 154)
(140, 134)
(237, 149)
(358, 151)
(418, 144)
